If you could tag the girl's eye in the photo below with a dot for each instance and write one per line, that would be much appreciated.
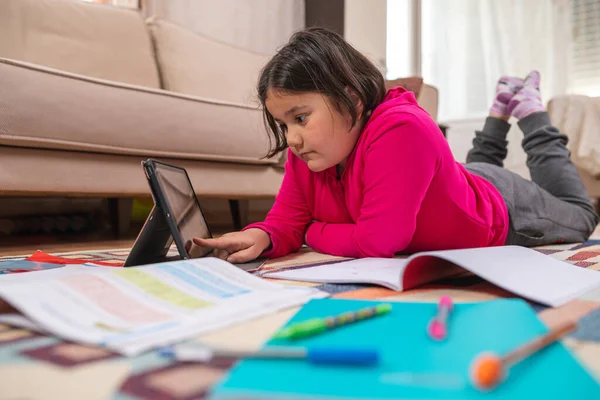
(301, 119)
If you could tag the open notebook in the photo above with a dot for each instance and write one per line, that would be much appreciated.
(525, 272)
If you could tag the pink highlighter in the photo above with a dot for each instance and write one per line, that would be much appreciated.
(438, 326)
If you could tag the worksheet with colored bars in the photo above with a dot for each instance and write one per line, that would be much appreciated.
(130, 310)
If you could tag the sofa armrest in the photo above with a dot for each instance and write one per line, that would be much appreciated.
(426, 95)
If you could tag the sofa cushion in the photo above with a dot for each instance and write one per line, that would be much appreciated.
(27, 172)
(198, 65)
(84, 38)
(45, 108)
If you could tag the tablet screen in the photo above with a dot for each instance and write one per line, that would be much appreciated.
(184, 207)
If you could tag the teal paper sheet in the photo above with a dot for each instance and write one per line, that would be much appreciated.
(412, 365)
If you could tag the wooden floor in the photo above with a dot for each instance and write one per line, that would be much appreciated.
(27, 246)
(51, 248)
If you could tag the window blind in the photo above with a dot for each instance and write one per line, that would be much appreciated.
(585, 77)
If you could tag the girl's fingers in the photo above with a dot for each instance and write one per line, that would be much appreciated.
(242, 256)
(208, 242)
(222, 254)
(228, 244)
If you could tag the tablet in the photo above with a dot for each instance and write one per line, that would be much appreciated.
(176, 218)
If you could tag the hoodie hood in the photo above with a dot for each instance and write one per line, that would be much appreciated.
(397, 96)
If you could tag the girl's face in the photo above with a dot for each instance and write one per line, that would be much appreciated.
(314, 129)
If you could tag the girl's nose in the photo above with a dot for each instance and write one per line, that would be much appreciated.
(294, 140)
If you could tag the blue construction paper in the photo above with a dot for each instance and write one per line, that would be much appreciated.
(437, 369)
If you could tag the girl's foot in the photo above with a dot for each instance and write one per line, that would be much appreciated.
(528, 100)
(505, 90)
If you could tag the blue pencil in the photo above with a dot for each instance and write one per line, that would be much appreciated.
(313, 355)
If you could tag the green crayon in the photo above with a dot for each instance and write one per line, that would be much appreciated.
(315, 326)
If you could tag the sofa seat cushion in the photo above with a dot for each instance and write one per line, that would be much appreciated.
(46, 108)
(40, 172)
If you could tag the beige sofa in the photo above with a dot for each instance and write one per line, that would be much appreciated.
(87, 91)
(578, 117)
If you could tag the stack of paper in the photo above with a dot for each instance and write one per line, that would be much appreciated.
(130, 310)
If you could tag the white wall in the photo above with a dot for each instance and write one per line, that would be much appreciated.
(365, 28)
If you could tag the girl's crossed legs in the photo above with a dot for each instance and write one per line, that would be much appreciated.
(554, 206)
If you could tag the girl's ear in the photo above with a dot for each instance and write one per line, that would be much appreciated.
(357, 102)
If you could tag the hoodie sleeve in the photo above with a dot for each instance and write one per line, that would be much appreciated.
(287, 221)
(399, 165)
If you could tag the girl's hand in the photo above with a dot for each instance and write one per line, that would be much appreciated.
(238, 247)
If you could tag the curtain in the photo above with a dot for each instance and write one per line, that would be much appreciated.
(469, 44)
(256, 25)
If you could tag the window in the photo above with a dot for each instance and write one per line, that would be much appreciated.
(449, 48)
(464, 46)
(399, 63)
(586, 47)
(453, 57)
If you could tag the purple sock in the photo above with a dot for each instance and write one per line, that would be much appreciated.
(505, 90)
(528, 100)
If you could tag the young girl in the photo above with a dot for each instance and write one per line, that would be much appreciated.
(369, 174)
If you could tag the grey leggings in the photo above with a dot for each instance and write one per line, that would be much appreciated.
(554, 206)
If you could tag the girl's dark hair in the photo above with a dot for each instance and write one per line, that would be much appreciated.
(320, 60)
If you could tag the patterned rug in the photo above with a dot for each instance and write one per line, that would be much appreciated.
(67, 370)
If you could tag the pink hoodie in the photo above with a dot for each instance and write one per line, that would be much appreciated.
(401, 191)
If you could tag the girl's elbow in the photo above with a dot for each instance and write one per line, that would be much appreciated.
(378, 247)
(376, 250)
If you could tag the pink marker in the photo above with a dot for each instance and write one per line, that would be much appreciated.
(438, 326)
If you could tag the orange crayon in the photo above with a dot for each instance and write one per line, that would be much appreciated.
(488, 369)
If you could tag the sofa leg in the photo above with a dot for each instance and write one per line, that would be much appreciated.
(119, 213)
(239, 213)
